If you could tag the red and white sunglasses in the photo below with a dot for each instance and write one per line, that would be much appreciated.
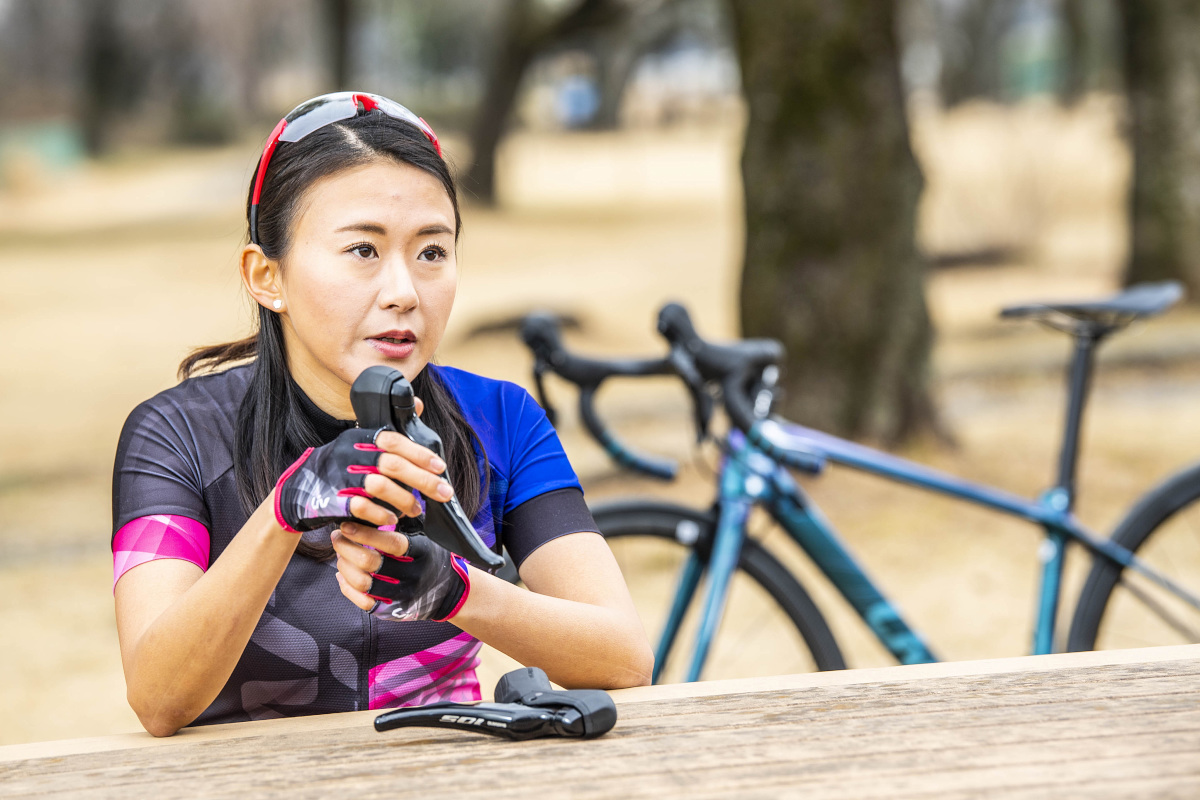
(312, 115)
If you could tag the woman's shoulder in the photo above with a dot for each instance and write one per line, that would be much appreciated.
(462, 381)
(508, 421)
(184, 437)
(484, 400)
(201, 401)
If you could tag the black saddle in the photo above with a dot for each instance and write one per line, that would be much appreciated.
(1102, 316)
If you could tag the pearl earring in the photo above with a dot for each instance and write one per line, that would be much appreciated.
(278, 304)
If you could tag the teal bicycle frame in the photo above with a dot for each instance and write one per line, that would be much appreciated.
(750, 477)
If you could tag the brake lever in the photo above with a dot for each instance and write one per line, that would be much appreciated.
(508, 720)
(702, 401)
(383, 398)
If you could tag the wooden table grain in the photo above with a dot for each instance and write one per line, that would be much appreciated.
(1113, 724)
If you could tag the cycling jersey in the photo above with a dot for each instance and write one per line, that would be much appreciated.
(313, 651)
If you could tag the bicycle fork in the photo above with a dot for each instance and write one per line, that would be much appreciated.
(723, 558)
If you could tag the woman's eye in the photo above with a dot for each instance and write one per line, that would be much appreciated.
(363, 250)
(432, 253)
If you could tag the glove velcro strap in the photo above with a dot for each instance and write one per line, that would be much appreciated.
(460, 566)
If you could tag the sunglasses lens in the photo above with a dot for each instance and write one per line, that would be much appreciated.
(317, 113)
(397, 111)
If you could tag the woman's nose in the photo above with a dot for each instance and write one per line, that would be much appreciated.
(398, 290)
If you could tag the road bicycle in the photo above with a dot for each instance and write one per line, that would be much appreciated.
(1144, 578)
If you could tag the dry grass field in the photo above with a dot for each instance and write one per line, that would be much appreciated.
(112, 273)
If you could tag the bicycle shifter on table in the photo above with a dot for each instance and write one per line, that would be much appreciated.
(526, 707)
(383, 398)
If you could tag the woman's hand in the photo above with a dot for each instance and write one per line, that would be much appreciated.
(357, 477)
(399, 577)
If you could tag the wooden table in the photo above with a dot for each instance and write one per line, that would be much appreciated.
(1114, 724)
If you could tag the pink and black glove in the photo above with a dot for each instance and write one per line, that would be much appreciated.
(427, 582)
(316, 490)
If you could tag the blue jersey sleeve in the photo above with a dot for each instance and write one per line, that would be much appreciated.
(525, 457)
(522, 447)
(537, 461)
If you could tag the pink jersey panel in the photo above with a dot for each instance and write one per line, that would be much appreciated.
(445, 671)
(159, 536)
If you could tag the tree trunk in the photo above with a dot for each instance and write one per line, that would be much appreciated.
(970, 43)
(527, 33)
(831, 189)
(620, 48)
(1162, 63)
(102, 74)
(339, 15)
(1093, 48)
(518, 44)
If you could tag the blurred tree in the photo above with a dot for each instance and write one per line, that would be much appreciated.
(647, 27)
(970, 36)
(616, 32)
(530, 27)
(102, 78)
(1162, 68)
(40, 51)
(339, 17)
(831, 189)
(1005, 50)
(1093, 59)
(199, 93)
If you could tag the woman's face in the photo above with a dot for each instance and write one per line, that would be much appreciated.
(369, 279)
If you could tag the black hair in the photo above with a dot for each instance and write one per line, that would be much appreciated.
(272, 428)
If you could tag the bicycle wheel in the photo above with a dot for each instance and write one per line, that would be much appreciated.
(770, 625)
(1120, 607)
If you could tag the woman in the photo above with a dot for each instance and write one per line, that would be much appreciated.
(227, 599)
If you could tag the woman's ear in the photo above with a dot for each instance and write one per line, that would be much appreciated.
(260, 275)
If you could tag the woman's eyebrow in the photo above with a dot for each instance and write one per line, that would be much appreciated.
(376, 228)
(365, 227)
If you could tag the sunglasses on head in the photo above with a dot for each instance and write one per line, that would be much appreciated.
(312, 115)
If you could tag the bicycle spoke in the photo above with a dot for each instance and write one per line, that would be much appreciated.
(757, 637)
(1189, 633)
(748, 631)
(1156, 600)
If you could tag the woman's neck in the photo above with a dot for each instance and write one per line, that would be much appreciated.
(327, 392)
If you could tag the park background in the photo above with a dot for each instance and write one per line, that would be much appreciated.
(129, 130)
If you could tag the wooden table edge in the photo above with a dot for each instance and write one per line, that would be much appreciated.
(916, 672)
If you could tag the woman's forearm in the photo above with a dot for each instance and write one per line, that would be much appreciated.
(579, 645)
(577, 621)
(176, 665)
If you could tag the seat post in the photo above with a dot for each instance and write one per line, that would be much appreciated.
(1078, 384)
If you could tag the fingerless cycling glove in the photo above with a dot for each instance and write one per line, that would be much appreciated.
(315, 491)
(427, 582)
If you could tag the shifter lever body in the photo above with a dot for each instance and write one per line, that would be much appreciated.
(526, 707)
(383, 398)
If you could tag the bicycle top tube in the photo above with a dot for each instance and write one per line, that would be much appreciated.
(789, 436)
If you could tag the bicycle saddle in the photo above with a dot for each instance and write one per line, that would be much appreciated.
(1136, 302)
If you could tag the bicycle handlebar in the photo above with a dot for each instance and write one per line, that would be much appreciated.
(741, 369)
(541, 333)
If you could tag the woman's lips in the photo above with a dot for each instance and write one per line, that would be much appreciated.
(394, 344)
